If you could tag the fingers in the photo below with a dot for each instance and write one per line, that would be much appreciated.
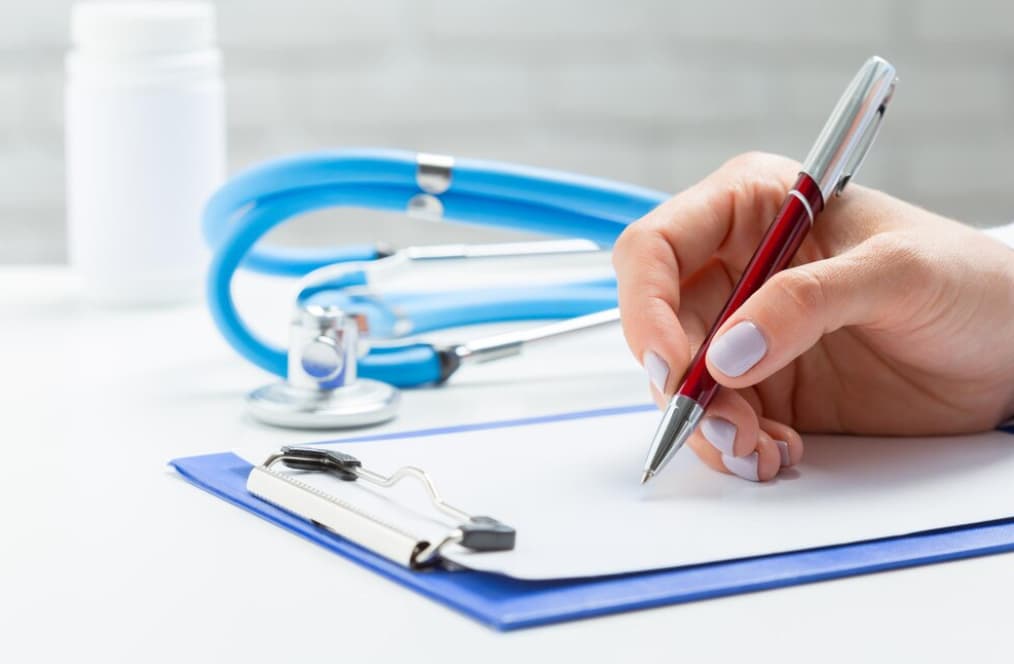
(875, 281)
(676, 240)
(789, 443)
(732, 439)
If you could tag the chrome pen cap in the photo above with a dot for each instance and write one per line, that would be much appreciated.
(846, 138)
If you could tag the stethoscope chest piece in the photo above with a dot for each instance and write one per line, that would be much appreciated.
(322, 390)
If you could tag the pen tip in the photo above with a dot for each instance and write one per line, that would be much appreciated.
(646, 476)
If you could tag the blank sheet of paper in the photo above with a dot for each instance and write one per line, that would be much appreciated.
(571, 489)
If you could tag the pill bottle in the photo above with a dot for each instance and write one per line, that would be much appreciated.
(145, 148)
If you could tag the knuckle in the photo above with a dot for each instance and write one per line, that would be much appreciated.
(757, 163)
(748, 161)
(643, 250)
(898, 252)
(625, 243)
(803, 289)
(757, 182)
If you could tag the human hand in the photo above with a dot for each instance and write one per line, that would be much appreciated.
(890, 320)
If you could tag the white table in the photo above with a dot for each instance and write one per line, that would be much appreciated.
(107, 556)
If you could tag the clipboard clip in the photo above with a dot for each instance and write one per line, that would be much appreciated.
(476, 533)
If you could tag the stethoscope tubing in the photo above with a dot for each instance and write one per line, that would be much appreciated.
(480, 192)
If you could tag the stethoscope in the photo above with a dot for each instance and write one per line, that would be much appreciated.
(332, 379)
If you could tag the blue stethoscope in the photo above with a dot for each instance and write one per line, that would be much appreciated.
(330, 381)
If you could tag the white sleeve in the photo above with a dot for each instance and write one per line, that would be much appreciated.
(1006, 235)
(1003, 233)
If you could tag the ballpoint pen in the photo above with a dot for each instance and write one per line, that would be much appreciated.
(831, 164)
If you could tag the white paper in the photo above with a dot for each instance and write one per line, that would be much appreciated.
(571, 489)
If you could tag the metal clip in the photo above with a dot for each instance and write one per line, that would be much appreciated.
(433, 176)
(434, 172)
(477, 533)
(850, 130)
(862, 149)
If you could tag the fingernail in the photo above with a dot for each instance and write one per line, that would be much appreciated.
(720, 432)
(658, 370)
(783, 450)
(745, 466)
(736, 351)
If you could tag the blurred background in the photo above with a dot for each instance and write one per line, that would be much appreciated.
(654, 92)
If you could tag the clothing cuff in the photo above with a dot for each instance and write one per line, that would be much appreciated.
(1003, 233)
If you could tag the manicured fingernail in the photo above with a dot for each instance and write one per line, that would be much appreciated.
(745, 466)
(658, 370)
(736, 351)
(783, 450)
(721, 433)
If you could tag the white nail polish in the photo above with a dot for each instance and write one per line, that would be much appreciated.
(783, 450)
(745, 467)
(735, 352)
(658, 370)
(720, 432)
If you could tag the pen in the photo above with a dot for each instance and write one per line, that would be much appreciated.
(831, 164)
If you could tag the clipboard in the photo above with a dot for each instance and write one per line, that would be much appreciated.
(506, 603)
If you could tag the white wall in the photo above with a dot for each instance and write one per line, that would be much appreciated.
(652, 91)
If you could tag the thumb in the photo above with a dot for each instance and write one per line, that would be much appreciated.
(796, 307)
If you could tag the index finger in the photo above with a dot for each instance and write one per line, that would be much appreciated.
(672, 242)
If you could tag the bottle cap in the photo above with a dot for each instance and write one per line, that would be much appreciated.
(137, 28)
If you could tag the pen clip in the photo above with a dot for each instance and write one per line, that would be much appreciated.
(858, 156)
(849, 133)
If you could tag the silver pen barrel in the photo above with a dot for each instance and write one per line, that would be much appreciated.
(678, 422)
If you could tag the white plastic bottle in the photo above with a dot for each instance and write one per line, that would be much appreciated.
(145, 147)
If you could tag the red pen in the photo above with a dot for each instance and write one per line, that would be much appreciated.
(831, 164)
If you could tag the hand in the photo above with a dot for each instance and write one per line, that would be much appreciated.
(891, 320)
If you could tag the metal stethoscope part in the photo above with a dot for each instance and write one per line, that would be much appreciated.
(323, 390)
(354, 343)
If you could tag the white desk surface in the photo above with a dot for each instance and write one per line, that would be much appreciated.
(106, 556)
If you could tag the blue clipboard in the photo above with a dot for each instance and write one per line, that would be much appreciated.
(505, 603)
